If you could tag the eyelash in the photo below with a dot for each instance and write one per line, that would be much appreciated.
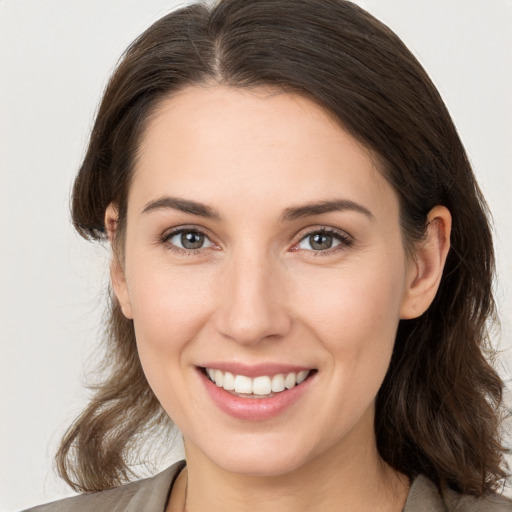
(345, 240)
(178, 250)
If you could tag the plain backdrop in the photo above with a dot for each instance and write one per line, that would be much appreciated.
(55, 58)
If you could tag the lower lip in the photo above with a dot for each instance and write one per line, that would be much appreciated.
(254, 409)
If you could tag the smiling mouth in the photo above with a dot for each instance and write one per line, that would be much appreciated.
(264, 386)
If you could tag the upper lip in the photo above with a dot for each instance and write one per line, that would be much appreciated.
(254, 370)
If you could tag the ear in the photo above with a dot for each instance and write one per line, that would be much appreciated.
(117, 275)
(425, 272)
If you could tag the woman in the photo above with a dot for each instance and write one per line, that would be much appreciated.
(301, 273)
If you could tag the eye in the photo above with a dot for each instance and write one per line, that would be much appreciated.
(323, 240)
(188, 240)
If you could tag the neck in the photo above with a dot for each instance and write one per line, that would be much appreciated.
(350, 477)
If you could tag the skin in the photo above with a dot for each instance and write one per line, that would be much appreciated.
(258, 292)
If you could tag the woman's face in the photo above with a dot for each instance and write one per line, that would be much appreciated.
(262, 245)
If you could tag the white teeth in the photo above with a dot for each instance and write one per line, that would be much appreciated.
(229, 382)
(262, 385)
(243, 384)
(278, 383)
(301, 376)
(290, 380)
(219, 378)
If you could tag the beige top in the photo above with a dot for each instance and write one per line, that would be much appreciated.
(151, 495)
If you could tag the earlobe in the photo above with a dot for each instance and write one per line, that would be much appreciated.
(117, 275)
(119, 286)
(425, 272)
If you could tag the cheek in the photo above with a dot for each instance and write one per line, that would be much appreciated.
(358, 299)
(170, 305)
(356, 321)
(356, 316)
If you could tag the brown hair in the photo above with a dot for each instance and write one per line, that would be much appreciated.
(438, 410)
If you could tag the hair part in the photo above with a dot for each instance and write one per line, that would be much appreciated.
(438, 410)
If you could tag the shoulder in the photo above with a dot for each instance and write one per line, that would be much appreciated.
(463, 503)
(147, 495)
(425, 496)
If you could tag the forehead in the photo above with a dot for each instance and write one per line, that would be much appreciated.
(217, 143)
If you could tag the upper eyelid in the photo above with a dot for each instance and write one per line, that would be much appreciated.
(325, 229)
(180, 229)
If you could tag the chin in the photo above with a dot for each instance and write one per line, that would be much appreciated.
(260, 466)
(258, 458)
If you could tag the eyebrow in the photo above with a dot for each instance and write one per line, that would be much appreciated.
(182, 205)
(288, 215)
(317, 208)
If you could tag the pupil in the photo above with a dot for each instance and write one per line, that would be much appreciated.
(191, 240)
(321, 241)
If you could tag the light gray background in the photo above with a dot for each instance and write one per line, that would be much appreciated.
(55, 57)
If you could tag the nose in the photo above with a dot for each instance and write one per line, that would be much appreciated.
(252, 304)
